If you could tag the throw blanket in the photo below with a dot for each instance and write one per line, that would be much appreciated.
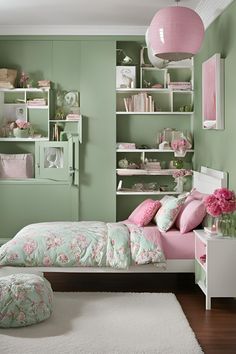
(85, 243)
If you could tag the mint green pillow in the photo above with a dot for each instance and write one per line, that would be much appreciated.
(167, 214)
(25, 299)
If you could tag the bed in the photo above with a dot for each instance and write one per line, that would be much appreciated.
(151, 250)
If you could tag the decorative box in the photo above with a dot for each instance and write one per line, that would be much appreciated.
(16, 166)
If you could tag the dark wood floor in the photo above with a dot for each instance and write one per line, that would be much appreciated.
(215, 329)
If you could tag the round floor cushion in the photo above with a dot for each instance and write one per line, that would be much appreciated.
(25, 299)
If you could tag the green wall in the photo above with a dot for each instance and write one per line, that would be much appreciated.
(86, 64)
(216, 148)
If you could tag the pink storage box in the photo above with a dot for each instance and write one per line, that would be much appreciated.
(16, 166)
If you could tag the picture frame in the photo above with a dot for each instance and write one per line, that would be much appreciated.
(213, 93)
(71, 98)
(125, 77)
(21, 112)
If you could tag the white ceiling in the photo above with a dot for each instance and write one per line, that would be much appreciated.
(92, 16)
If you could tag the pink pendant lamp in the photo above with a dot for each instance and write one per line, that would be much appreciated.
(175, 33)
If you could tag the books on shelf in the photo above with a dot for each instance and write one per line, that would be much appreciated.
(123, 146)
(37, 102)
(73, 116)
(44, 83)
(141, 102)
(180, 85)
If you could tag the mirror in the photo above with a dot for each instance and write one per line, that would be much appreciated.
(213, 93)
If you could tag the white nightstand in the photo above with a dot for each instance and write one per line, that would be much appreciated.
(216, 274)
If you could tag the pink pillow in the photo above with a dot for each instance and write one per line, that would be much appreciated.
(144, 212)
(191, 215)
(196, 195)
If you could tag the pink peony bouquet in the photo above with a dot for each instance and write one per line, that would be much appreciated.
(180, 144)
(181, 173)
(21, 124)
(222, 201)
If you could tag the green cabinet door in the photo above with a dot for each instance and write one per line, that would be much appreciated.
(53, 160)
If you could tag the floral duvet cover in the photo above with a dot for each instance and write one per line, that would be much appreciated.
(85, 243)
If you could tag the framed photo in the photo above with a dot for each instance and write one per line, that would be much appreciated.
(71, 98)
(21, 112)
(125, 77)
(213, 93)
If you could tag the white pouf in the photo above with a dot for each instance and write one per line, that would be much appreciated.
(25, 299)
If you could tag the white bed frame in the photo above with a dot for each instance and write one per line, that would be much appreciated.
(205, 181)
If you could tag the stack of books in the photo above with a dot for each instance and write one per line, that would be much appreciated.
(180, 85)
(37, 102)
(141, 102)
(44, 83)
(73, 116)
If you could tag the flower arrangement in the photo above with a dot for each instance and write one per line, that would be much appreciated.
(21, 124)
(179, 176)
(24, 79)
(180, 146)
(222, 201)
(181, 173)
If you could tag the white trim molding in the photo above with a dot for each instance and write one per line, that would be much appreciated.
(68, 30)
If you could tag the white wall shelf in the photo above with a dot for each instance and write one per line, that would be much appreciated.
(150, 100)
(148, 150)
(155, 113)
(12, 140)
(142, 172)
(146, 193)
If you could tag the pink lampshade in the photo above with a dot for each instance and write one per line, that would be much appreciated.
(176, 33)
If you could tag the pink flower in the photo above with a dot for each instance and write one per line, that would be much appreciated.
(224, 193)
(47, 261)
(227, 206)
(181, 173)
(22, 124)
(21, 316)
(62, 258)
(180, 144)
(12, 257)
(221, 201)
(29, 247)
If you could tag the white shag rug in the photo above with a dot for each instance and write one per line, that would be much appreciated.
(106, 323)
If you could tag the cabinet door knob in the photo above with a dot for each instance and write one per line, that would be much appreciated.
(71, 171)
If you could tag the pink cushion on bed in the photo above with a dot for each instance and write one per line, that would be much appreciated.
(191, 215)
(144, 212)
(196, 195)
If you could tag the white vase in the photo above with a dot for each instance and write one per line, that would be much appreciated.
(179, 184)
(180, 153)
(21, 133)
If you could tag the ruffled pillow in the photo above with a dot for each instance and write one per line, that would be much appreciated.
(167, 214)
(143, 214)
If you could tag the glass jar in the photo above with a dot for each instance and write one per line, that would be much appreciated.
(227, 225)
(178, 163)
